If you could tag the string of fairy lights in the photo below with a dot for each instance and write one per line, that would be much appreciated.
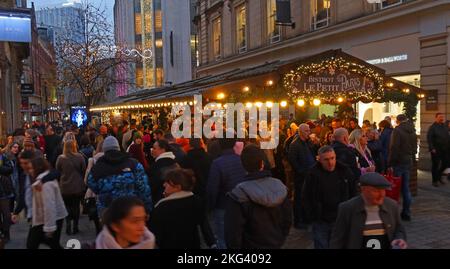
(374, 88)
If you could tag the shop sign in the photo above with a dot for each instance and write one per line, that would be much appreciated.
(26, 89)
(431, 100)
(284, 11)
(335, 82)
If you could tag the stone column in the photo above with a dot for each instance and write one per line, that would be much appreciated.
(435, 75)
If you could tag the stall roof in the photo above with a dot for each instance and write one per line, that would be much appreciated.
(199, 85)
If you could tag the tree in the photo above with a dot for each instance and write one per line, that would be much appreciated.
(88, 59)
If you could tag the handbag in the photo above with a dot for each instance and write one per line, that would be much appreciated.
(396, 186)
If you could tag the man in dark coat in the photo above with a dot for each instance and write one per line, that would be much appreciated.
(51, 144)
(344, 154)
(176, 149)
(302, 158)
(225, 173)
(258, 211)
(328, 184)
(164, 161)
(369, 220)
(438, 143)
(402, 152)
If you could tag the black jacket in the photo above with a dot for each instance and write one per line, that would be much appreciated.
(437, 137)
(199, 162)
(178, 152)
(301, 157)
(323, 191)
(376, 150)
(175, 222)
(6, 169)
(403, 145)
(156, 176)
(257, 214)
(51, 145)
(347, 156)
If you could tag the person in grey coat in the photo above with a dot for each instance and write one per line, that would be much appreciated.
(370, 220)
(258, 210)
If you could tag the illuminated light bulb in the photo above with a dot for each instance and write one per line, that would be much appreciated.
(340, 100)
(316, 102)
(225, 106)
(406, 90)
(258, 104)
(301, 102)
(270, 83)
(269, 104)
(221, 95)
(190, 103)
(390, 84)
(283, 103)
(246, 89)
(249, 105)
(219, 105)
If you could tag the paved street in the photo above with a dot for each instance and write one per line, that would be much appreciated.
(429, 228)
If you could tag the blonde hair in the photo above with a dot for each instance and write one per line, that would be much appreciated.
(354, 139)
(68, 136)
(70, 147)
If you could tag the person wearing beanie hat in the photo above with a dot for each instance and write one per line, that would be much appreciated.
(110, 143)
(116, 175)
(370, 220)
(30, 145)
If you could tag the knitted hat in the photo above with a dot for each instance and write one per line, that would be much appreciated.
(110, 143)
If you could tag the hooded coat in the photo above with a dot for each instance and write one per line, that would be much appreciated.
(116, 175)
(258, 213)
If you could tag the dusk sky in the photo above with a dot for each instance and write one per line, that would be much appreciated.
(109, 4)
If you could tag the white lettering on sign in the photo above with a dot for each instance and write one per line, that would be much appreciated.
(391, 59)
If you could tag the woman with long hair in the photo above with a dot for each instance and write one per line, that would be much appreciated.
(136, 149)
(72, 167)
(358, 141)
(48, 207)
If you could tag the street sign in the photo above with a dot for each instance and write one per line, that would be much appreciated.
(26, 89)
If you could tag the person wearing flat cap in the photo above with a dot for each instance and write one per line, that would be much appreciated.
(370, 220)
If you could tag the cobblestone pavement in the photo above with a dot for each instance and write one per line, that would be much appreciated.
(429, 228)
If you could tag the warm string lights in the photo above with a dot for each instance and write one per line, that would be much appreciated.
(117, 108)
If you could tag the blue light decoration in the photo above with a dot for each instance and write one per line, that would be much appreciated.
(78, 115)
(15, 27)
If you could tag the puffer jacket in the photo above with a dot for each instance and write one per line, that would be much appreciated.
(6, 185)
(258, 213)
(116, 175)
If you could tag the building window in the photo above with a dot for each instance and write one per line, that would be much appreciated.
(389, 3)
(158, 21)
(321, 13)
(139, 77)
(217, 37)
(273, 29)
(241, 29)
(138, 23)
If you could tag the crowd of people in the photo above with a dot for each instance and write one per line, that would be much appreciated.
(144, 189)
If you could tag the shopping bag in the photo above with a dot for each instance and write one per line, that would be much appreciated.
(396, 186)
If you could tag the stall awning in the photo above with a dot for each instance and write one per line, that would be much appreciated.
(327, 76)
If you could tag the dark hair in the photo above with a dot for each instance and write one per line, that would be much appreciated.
(164, 144)
(183, 177)
(227, 143)
(251, 158)
(336, 120)
(159, 132)
(169, 137)
(119, 209)
(195, 143)
(124, 123)
(84, 140)
(40, 165)
(354, 120)
(19, 132)
(401, 117)
(384, 124)
(438, 114)
(27, 155)
(325, 149)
